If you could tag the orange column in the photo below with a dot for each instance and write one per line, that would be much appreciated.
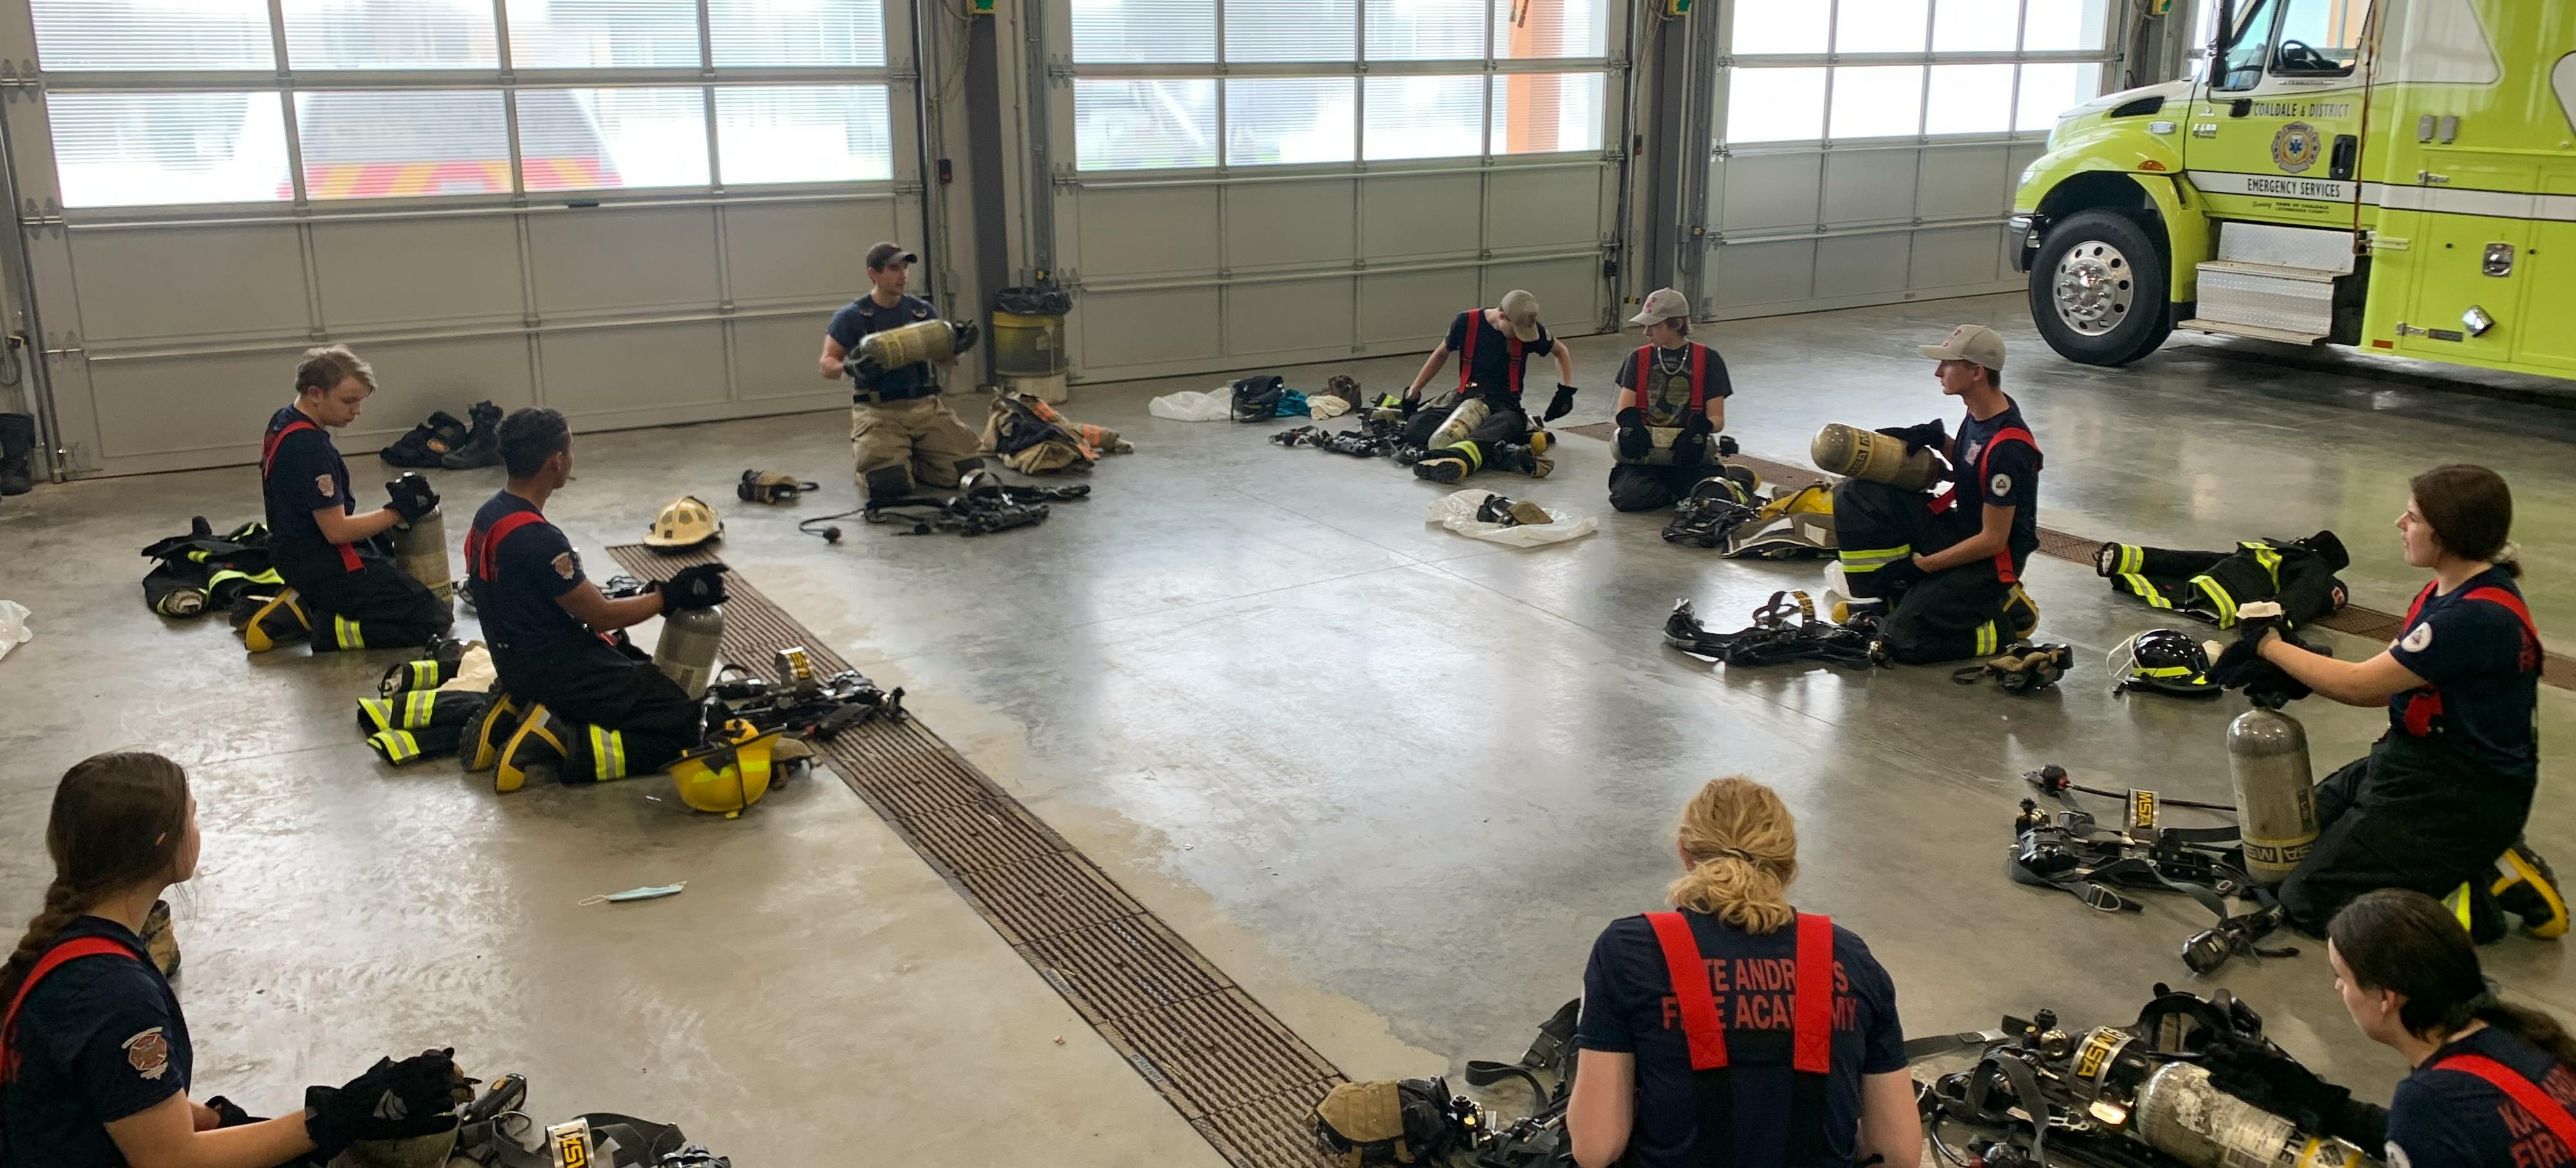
(1530, 102)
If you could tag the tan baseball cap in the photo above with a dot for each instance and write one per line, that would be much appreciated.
(1969, 342)
(1521, 310)
(1662, 304)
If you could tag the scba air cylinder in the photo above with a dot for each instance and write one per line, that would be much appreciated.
(929, 340)
(2276, 801)
(1872, 457)
(686, 650)
(420, 546)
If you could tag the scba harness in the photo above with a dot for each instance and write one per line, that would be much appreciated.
(1784, 629)
(1949, 496)
(1513, 363)
(268, 458)
(2423, 713)
(1811, 1035)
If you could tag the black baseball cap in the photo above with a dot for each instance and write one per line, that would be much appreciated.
(885, 255)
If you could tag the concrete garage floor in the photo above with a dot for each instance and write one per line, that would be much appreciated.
(1391, 780)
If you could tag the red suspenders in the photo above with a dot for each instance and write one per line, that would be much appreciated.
(53, 959)
(483, 548)
(2424, 706)
(1698, 374)
(2548, 1111)
(1811, 1035)
(1467, 355)
(1949, 496)
(268, 454)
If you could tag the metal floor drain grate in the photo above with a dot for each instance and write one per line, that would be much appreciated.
(1244, 1082)
(2368, 623)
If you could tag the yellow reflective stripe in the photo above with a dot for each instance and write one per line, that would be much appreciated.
(378, 711)
(345, 632)
(1475, 457)
(424, 675)
(2268, 558)
(2164, 671)
(2133, 559)
(396, 745)
(2458, 903)
(607, 754)
(2145, 589)
(1986, 639)
(2218, 597)
(419, 706)
(1871, 559)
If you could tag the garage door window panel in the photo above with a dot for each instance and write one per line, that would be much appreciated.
(1547, 113)
(1426, 30)
(1550, 29)
(1290, 120)
(1424, 117)
(151, 149)
(1143, 32)
(590, 139)
(1775, 105)
(378, 144)
(153, 34)
(801, 34)
(1138, 124)
(390, 34)
(803, 134)
(604, 34)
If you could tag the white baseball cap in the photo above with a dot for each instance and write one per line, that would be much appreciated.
(1520, 310)
(1662, 304)
(1969, 342)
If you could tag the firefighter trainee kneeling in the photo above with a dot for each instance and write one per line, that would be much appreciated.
(902, 435)
(1484, 423)
(1948, 566)
(1672, 403)
(575, 697)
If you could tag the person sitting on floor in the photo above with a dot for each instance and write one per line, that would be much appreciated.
(1777, 1024)
(1672, 404)
(1946, 569)
(342, 590)
(97, 1062)
(1484, 423)
(2439, 803)
(575, 697)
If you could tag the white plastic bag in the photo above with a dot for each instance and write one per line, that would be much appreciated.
(1458, 513)
(1190, 405)
(13, 626)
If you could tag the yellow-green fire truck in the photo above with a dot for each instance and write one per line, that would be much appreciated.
(2395, 175)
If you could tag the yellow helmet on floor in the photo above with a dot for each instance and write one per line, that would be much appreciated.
(729, 776)
(682, 523)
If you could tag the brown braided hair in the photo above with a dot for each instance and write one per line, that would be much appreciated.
(119, 819)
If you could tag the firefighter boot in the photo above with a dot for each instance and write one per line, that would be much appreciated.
(1450, 463)
(542, 745)
(2477, 911)
(482, 445)
(489, 732)
(267, 622)
(1525, 459)
(2524, 886)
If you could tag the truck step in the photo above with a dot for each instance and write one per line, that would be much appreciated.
(2257, 332)
(2267, 297)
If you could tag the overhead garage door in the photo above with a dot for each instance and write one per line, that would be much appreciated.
(1271, 181)
(1867, 150)
(635, 211)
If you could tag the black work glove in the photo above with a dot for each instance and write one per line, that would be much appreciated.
(1930, 434)
(1698, 423)
(1633, 440)
(412, 497)
(2241, 666)
(1726, 445)
(696, 586)
(2260, 1074)
(1560, 405)
(1899, 573)
(1690, 448)
(392, 1101)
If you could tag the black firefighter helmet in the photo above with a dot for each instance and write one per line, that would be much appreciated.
(2165, 660)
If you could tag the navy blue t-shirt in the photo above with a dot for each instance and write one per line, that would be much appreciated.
(303, 475)
(521, 608)
(2452, 1119)
(1665, 400)
(1494, 363)
(99, 1040)
(864, 315)
(2009, 477)
(2485, 666)
(1628, 1007)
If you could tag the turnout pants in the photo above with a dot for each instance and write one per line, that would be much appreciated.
(1635, 487)
(1966, 611)
(379, 606)
(631, 718)
(1458, 428)
(918, 436)
(2213, 583)
(2410, 814)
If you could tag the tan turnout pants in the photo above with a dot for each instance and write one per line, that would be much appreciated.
(918, 434)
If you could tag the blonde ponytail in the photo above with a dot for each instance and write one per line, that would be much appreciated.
(1743, 850)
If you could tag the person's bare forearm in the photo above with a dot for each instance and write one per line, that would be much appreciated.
(2339, 680)
(1430, 367)
(339, 527)
(1981, 546)
(1564, 364)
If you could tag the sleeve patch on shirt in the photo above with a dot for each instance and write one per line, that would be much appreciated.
(323, 484)
(148, 1053)
(1999, 486)
(2418, 638)
(566, 566)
